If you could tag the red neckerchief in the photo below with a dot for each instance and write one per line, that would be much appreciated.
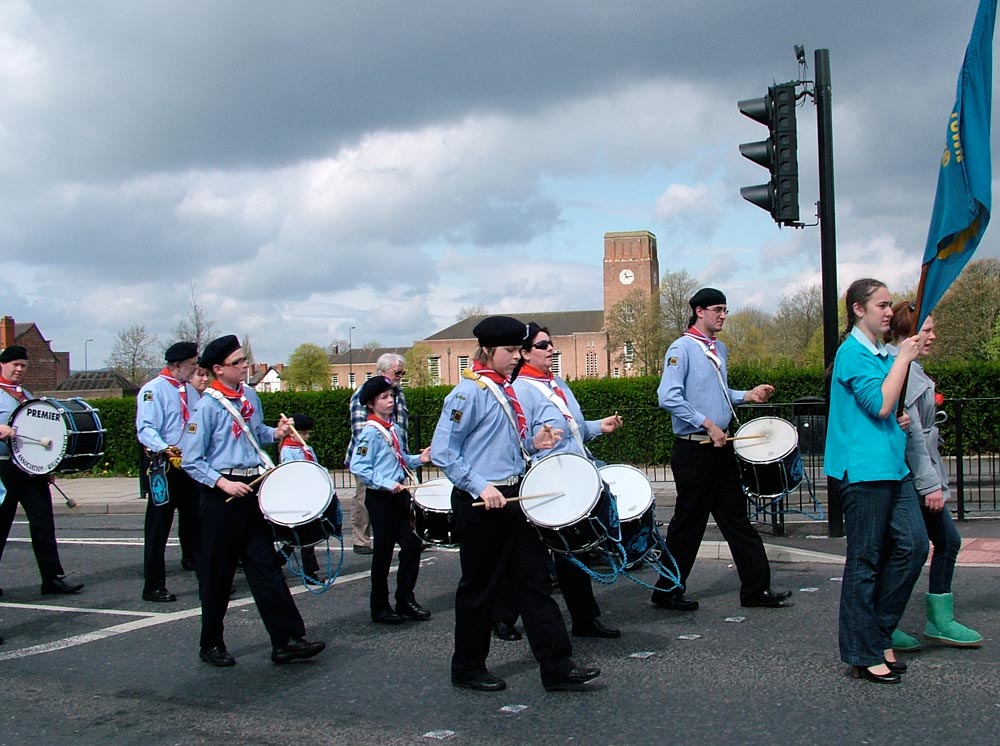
(182, 389)
(529, 371)
(246, 408)
(292, 442)
(522, 423)
(14, 389)
(696, 333)
(396, 447)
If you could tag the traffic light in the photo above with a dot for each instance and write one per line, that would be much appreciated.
(778, 153)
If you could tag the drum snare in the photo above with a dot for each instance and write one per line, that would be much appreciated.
(56, 435)
(575, 519)
(767, 452)
(434, 520)
(299, 501)
(634, 495)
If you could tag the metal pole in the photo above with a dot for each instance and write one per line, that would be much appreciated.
(350, 356)
(828, 250)
(86, 364)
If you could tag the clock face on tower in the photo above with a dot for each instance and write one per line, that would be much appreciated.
(626, 277)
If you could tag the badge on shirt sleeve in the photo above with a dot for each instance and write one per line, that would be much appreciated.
(192, 428)
(672, 361)
(361, 450)
(147, 396)
(456, 415)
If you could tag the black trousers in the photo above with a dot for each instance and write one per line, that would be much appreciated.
(32, 492)
(184, 499)
(389, 515)
(577, 591)
(494, 546)
(238, 530)
(708, 483)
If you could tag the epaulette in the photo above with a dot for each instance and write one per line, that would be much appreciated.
(473, 376)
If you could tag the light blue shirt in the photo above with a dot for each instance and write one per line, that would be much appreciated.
(539, 410)
(7, 406)
(374, 461)
(159, 423)
(209, 445)
(297, 453)
(691, 390)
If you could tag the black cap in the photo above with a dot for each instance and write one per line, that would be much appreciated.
(707, 297)
(500, 331)
(372, 388)
(533, 330)
(180, 351)
(303, 422)
(218, 350)
(14, 352)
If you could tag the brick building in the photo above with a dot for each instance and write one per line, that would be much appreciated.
(46, 369)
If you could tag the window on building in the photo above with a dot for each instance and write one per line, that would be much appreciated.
(463, 364)
(591, 364)
(616, 373)
(352, 380)
(557, 363)
(335, 380)
(434, 368)
(629, 353)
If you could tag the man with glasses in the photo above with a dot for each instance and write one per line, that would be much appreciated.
(695, 390)
(391, 367)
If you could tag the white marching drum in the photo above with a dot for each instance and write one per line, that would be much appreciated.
(50, 435)
(570, 520)
(433, 518)
(767, 452)
(634, 495)
(299, 501)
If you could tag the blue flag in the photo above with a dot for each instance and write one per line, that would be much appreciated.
(963, 198)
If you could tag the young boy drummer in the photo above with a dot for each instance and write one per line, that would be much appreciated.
(379, 462)
(481, 443)
(221, 451)
(291, 449)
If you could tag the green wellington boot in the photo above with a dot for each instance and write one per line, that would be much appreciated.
(903, 643)
(942, 627)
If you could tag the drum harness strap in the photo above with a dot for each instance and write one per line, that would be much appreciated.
(501, 397)
(559, 404)
(717, 364)
(265, 460)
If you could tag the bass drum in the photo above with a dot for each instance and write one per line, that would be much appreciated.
(55, 435)
(767, 452)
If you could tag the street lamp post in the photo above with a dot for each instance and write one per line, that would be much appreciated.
(350, 356)
(86, 363)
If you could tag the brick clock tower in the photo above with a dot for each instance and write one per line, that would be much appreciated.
(630, 264)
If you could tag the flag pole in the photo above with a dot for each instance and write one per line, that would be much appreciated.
(915, 316)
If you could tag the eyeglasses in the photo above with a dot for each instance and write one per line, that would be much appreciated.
(237, 362)
(543, 345)
(400, 372)
(718, 310)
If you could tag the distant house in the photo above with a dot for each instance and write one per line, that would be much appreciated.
(95, 384)
(46, 369)
(352, 368)
(267, 378)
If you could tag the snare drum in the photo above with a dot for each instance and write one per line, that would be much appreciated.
(576, 518)
(433, 518)
(299, 501)
(634, 495)
(767, 451)
(50, 435)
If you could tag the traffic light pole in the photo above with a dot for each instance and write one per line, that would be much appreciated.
(828, 253)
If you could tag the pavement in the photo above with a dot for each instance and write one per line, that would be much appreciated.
(804, 540)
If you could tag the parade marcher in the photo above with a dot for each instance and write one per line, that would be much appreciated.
(865, 458)
(380, 462)
(290, 449)
(481, 443)
(163, 409)
(547, 400)
(930, 480)
(31, 491)
(393, 367)
(222, 452)
(694, 389)
(200, 379)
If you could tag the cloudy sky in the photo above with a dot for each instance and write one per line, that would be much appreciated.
(311, 166)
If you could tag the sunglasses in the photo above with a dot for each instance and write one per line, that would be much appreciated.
(543, 345)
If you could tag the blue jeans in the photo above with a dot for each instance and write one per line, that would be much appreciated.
(886, 549)
(947, 541)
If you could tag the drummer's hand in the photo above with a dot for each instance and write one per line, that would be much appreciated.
(716, 434)
(904, 421)
(396, 488)
(492, 497)
(934, 501)
(759, 394)
(546, 438)
(425, 455)
(284, 428)
(6, 431)
(610, 424)
(233, 489)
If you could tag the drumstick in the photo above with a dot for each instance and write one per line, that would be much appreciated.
(741, 437)
(43, 442)
(249, 484)
(295, 432)
(540, 495)
(70, 502)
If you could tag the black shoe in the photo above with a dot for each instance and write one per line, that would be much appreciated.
(413, 610)
(296, 648)
(58, 585)
(674, 602)
(896, 666)
(594, 628)
(217, 656)
(861, 672)
(768, 599)
(187, 564)
(160, 595)
(362, 549)
(483, 681)
(574, 680)
(386, 616)
(504, 631)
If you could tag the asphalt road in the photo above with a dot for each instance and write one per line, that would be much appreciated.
(105, 667)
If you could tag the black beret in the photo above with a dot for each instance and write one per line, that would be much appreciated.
(303, 422)
(532, 332)
(500, 331)
(14, 352)
(180, 351)
(218, 350)
(372, 388)
(707, 297)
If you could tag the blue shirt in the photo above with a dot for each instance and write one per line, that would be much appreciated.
(690, 388)
(209, 444)
(860, 445)
(297, 452)
(159, 423)
(539, 410)
(7, 406)
(374, 461)
(359, 418)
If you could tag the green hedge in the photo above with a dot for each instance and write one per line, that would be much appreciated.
(645, 438)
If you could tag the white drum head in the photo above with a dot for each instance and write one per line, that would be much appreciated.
(576, 483)
(434, 495)
(295, 492)
(34, 422)
(631, 489)
(773, 439)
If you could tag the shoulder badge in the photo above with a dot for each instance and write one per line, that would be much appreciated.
(456, 415)
(361, 450)
(672, 361)
(192, 428)
(147, 396)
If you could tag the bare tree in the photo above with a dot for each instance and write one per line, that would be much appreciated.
(748, 334)
(467, 312)
(337, 346)
(196, 326)
(134, 353)
(798, 317)
(636, 334)
(418, 372)
(676, 289)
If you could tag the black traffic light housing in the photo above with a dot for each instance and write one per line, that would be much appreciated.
(778, 153)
